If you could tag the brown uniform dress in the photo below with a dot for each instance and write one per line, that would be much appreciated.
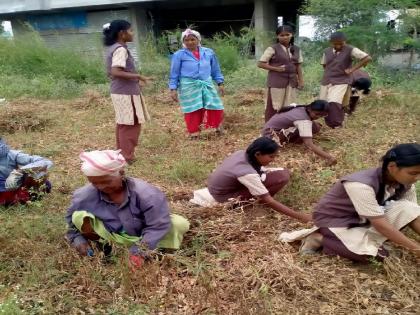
(281, 86)
(130, 108)
(335, 84)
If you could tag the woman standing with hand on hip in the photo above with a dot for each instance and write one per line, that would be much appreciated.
(283, 62)
(337, 61)
(193, 70)
(129, 106)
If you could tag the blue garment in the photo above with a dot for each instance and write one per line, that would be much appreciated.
(16, 159)
(185, 65)
(197, 94)
(144, 212)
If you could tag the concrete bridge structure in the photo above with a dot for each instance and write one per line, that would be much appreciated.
(79, 22)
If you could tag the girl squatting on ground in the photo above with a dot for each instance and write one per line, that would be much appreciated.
(363, 210)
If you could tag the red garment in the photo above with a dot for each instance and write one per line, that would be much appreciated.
(196, 54)
(207, 118)
(20, 195)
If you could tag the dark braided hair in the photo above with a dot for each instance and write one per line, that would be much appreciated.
(404, 155)
(288, 29)
(317, 106)
(262, 145)
(112, 31)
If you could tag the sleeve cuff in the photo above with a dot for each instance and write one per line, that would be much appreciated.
(135, 250)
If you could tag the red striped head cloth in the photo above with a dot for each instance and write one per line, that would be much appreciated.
(100, 163)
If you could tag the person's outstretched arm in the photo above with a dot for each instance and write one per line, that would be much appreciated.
(281, 208)
(308, 142)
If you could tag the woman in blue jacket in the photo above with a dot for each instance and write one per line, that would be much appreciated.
(193, 69)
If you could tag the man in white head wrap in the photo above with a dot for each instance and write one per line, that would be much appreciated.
(120, 210)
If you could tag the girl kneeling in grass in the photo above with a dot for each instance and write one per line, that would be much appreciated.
(243, 175)
(363, 210)
(296, 124)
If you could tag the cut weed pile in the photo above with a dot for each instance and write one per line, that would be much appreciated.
(231, 261)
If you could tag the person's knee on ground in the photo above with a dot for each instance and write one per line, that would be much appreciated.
(335, 115)
(88, 231)
(316, 127)
(415, 225)
(278, 179)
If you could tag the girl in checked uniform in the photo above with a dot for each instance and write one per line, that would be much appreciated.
(129, 106)
(283, 62)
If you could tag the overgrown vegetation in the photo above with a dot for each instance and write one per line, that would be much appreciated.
(231, 261)
(29, 68)
(367, 24)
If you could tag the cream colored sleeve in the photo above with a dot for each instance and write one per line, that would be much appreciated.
(304, 127)
(323, 59)
(300, 60)
(267, 55)
(119, 57)
(363, 198)
(358, 54)
(254, 184)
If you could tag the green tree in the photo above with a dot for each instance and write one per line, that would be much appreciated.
(410, 18)
(365, 22)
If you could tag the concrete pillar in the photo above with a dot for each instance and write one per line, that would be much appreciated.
(18, 26)
(265, 19)
(141, 26)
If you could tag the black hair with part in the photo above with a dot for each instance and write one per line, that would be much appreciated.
(338, 36)
(404, 155)
(111, 32)
(288, 29)
(263, 145)
(363, 84)
(317, 106)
